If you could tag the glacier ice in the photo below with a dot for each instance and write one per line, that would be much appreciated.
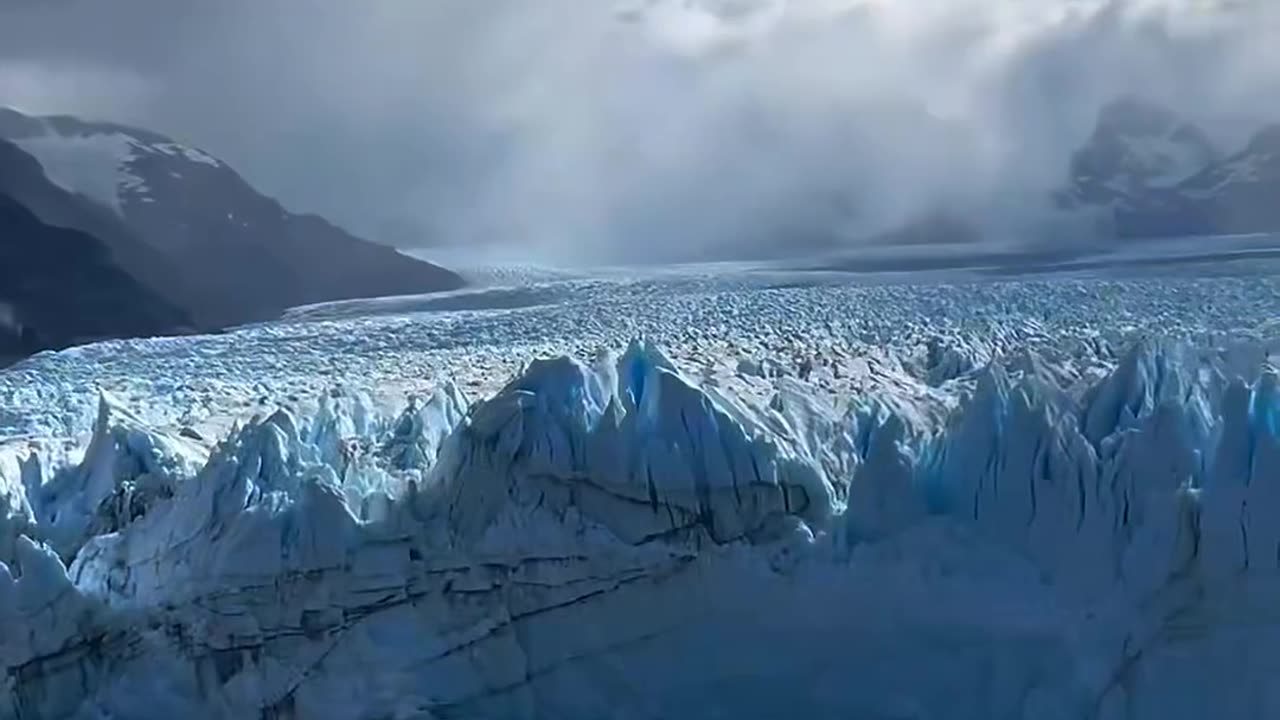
(614, 538)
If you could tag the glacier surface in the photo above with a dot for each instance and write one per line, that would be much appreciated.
(673, 497)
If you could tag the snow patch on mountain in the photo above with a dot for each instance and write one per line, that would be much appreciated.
(1256, 164)
(98, 163)
(96, 166)
(1169, 159)
(196, 156)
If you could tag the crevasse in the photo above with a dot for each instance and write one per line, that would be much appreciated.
(613, 539)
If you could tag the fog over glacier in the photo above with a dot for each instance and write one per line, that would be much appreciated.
(581, 129)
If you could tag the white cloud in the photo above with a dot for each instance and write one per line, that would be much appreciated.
(585, 127)
(54, 87)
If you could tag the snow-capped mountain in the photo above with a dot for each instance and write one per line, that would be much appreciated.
(101, 161)
(23, 179)
(1157, 175)
(1241, 194)
(240, 255)
(1137, 147)
(70, 274)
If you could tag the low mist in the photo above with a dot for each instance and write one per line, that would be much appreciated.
(576, 130)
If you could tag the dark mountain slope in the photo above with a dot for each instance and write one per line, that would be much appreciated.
(60, 287)
(192, 227)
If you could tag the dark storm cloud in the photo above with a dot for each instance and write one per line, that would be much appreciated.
(331, 106)
(583, 127)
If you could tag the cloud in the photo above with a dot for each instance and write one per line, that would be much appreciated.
(664, 127)
(54, 87)
(703, 28)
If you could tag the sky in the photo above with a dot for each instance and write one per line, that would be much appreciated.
(588, 129)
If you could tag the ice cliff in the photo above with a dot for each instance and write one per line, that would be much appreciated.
(613, 539)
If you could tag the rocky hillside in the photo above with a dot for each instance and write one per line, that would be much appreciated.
(61, 287)
(190, 225)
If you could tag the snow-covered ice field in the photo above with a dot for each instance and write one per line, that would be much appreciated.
(713, 320)
(707, 491)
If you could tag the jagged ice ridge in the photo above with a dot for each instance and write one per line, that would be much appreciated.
(613, 539)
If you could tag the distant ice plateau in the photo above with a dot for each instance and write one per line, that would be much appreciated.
(747, 494)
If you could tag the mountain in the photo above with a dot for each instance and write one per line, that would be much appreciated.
(1137, 147)
(1241, 194)
(220, 248)
(1157, 175)
(22, 180)
(61, 287)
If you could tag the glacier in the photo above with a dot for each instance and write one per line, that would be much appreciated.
(610, 535)
(792, 495)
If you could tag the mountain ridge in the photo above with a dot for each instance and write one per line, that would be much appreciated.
(190, 226)
(62, 287)
(1213, 194)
